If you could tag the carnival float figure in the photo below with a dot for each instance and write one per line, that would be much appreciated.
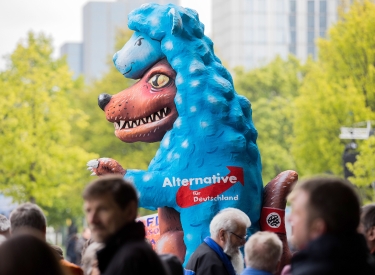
(208, 159)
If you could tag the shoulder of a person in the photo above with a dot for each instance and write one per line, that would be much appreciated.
(135, 258)
(203, 252)
(205, 261)
(72, 268)
(133, 250)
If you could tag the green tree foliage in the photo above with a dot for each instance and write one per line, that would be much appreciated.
(278, 78)
(99, 137)
(338, 90)
(271, 90)
(38, 159)
(349, 53)
(364, 169)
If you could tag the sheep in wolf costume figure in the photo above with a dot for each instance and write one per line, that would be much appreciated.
(208, 159)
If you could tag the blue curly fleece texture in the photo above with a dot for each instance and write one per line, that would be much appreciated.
(214, 129)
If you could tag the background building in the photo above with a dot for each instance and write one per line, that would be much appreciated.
(100, 22)
(133, 4)
(251, 33)
(73, 52)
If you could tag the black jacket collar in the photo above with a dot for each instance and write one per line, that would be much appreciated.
(131, 232)
(346, 252)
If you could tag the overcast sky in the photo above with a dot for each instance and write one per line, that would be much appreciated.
(61, 19)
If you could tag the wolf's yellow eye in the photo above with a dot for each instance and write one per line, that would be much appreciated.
(159, 81)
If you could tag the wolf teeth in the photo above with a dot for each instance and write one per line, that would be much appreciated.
(123, 124)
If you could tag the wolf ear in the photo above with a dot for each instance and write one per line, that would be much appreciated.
(176, 21)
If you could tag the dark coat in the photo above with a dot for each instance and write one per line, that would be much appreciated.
(205, 261)
(128, 253)
(332, 254)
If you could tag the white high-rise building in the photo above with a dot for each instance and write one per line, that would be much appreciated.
(133, 4)
(73, 52)
(251, 33)
(100, 23)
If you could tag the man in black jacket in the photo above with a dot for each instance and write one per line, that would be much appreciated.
(111, 209)
(220, 254)
(325, 217)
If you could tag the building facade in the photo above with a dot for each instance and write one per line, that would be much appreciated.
(251, 33)
(73, 53)
(100, 23)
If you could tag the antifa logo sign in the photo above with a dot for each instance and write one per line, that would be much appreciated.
(273, 220)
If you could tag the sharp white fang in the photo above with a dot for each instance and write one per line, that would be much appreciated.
(122, 122)
(116, 125)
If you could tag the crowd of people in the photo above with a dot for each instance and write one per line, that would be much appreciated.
(332, 234)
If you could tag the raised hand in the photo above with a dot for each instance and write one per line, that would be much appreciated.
(104, 166)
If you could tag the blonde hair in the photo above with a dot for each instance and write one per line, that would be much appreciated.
(263, 251)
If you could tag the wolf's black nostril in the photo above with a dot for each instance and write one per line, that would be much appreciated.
(103, 100)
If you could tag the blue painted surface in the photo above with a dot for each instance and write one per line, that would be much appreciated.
(214, 129)
(137, 55)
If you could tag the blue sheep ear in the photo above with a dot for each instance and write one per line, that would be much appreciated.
(176, 21)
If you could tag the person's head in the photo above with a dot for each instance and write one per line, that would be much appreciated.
(367, 225)
(89, 259)
(110, 203)
(4, 226)
(228, 229)
(323, 205)
(263, 251)
(28, 255)
(28, 215)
